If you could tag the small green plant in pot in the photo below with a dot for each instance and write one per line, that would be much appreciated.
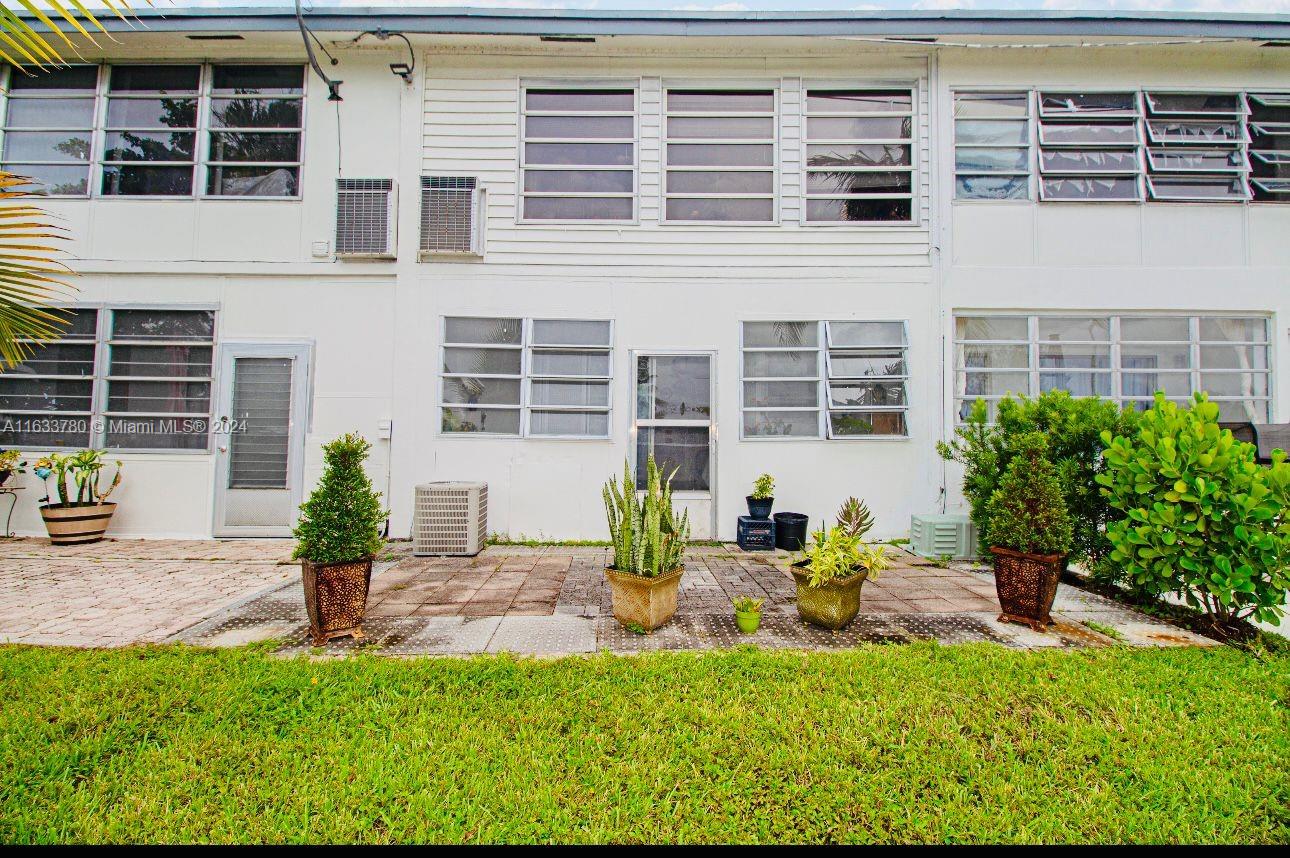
(1030, 534)
(337, 535)
(82, 512)
(762, 498)
(10, 465)
(648, 541)
(835, 566)
(747, 613)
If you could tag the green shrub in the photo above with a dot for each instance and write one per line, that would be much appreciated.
(763, 488)
(1201, 519)
(1027, 511)
(1073, 427)
(648, 538)
(342, 519)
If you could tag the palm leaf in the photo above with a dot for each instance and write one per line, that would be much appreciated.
(30, 273)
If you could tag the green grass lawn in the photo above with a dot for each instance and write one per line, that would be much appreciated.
(886, 743)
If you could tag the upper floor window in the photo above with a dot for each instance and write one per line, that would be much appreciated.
(859, 155)
(1269, 122)
(161, 130)
(578, 157)
(1123, 358)
(720, 155)
(992, 145)
(126, 379)
(532, 377)
(1154, 145)
(841, 379)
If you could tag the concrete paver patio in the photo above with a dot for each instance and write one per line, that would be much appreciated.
(539, 600)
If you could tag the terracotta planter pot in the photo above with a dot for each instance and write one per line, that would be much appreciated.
(832, 605)
(77, 523)
(336, 597)
(1027, 585)
(644, 602)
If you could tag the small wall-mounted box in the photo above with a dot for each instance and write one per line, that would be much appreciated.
(943, 535)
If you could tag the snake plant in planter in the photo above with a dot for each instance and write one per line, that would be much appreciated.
(831, 572)
(648, 543)
(82, 512)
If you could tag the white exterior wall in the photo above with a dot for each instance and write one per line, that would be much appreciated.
(376, 325)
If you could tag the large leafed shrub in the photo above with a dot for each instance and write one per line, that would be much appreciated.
(1073, 427)
(1200, 519)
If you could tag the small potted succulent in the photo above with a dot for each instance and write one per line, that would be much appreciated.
(762, 498)
(747, 613)
(1030, 534)
(82, 512)
(337, 535)
(9, 465)
(834, 568)
(648, 541)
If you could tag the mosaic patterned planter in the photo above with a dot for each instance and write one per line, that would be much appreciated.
(336, 598)
(644, 602)
(832, 605)
(1027, 585)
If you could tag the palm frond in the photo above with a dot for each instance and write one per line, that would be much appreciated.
(30, 284)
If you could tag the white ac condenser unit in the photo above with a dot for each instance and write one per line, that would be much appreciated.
(450, 518)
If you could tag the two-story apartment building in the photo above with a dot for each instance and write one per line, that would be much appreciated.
(525, 246)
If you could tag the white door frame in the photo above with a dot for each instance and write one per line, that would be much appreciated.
(300, 351)
(711, 355)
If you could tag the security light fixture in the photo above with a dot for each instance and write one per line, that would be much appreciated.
(403, 70)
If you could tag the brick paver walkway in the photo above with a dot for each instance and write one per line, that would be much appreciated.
(543, 600)
(118, 592)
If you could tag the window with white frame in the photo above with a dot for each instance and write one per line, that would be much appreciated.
(833, 379)
(526, 377)
(1269, 129)
(720, 150)
(1126, 358)
(157, 130)
(992, 145)
(578, 157)
(860, 155)
(1089, 146)
(120, 378)
(49, 128)
(1196, 146)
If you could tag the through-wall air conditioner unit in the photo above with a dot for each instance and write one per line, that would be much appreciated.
(366, 216)
(450, 518)
(452, 217)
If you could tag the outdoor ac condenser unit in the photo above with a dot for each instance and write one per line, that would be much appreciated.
(943, 536)
(450, 518)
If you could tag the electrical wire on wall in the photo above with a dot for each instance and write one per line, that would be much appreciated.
(333, 86)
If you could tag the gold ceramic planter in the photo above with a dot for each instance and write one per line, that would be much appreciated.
(646, 603)
(833, 604)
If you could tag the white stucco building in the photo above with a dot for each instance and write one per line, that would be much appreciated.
(792, 243)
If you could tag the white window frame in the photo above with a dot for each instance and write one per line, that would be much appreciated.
(202, 130)
(776, 117)
(1116, 118)
(1030, 145)
(526, 347)
(95, 129)
(1115, 343)
(823, 376)
(99, 416)
(915, 175)
(574, 84)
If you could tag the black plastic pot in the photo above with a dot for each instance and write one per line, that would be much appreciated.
(790, 531)
(759, 508)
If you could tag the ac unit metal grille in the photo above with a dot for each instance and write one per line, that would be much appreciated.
(363, 216)
(945, 535)
(448, 214)
(450, 518)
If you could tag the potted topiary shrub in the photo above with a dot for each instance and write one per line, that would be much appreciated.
(648, 545)
(762, 498)
(832, 571)
(338, 533)
(82, 512)
(1030, 534)
(747, 613)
